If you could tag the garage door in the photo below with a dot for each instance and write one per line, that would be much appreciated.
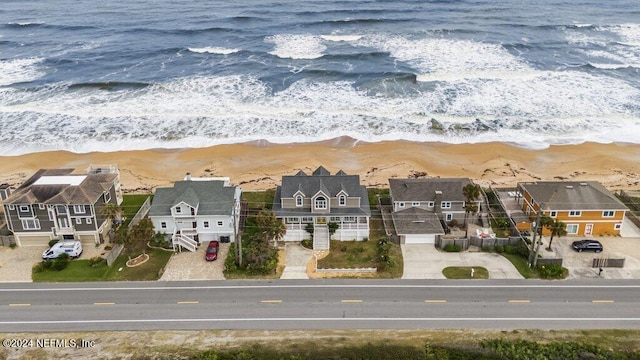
(33, 240)
(419, 239)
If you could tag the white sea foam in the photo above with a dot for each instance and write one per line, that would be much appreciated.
(446, 56)
(552, 107)
(335, 37)
(213, 50)
(288, 46)
(20, 70)
(618, 43)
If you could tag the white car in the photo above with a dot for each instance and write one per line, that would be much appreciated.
(70, 247)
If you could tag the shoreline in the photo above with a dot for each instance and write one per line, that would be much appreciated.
(259, 165)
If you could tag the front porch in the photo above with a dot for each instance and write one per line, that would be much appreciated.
(349, 227)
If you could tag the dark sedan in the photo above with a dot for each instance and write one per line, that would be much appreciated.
(587, 245)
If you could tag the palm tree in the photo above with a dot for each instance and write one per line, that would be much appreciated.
(270, 226)
(140, 234)
(557, 227)
(111, 211)
(471, 192)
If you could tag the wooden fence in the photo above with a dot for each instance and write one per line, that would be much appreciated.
(442, 241)
(607, 262)
(114, 253)
(7, 240)
(549, 261)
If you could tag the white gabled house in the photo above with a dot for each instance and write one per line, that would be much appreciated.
(197, 210)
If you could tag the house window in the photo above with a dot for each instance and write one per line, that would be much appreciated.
(572, 228)
(401, 204)
(349, 219)
(219, 223)
(89, 220)
(449, 216)
(107, 197)
(307, 219)
(78, 209)
(292, 220)
(342, 200)
(415, 203)
(61, 209)
(609, 213)
(205, 224)
(78, 221)
(554, 214)
(163, 225)
(617, 226)
(430, 204)
(299, 200)
(193, 211)
(445, 204)
(178, 210)
(24, 208)
(41, 206)
(11, 207)
(334, 219)
(575, 213)
(31, 224)
(321, 202)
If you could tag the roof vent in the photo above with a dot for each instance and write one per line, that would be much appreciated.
(569, 187)
(187, 177)
(584, 184)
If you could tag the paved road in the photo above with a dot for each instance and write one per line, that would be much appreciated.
(335, 304)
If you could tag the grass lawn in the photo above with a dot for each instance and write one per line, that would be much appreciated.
(374, 194)
(358, 254)
(131, 204)
(522, 265)
(259, 199)
(79, 270)
(464, 272)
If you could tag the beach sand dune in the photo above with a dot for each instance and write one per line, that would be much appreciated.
(260, 165)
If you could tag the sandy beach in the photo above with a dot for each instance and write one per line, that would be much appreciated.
(260, 165)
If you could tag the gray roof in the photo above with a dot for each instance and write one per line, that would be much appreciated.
(416, 221)
(425, 189)
(572, 195)
(322, 180)
(211, 197)
(87, 192)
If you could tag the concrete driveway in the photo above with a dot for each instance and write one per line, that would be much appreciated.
(187, 265)
(296, 259)
(580, 263)
(16, 264)
(424, 261)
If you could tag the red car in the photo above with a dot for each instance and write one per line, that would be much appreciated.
(212, 251)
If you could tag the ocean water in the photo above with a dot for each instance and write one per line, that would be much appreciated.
(84, 75)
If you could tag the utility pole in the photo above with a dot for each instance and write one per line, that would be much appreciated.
(534, 248)
(237, 239)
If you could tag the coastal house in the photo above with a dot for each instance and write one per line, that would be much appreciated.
(587, 208)
(197, 210)
(313, 201)
(420, 206)
(58, 204)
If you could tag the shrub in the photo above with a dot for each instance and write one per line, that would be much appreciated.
(551, 271)
(13, 245)
(360, 249)
(499, 249)
(489, 248)
(52, 242)
(510, 249)
(453, 223)
(343, 248)
(60, 263)
(44, 266)
(307, 243)
(366, 238)
(451, 248)
(96, 261)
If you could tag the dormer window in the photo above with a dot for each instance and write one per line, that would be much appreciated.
(178, 210)
(299, 200)
(107, 197)
(321, 202)
(342, 200)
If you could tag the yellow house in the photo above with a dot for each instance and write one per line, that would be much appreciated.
(587, 208)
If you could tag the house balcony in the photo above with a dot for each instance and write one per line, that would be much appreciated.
(296, 226)
(59, 231)
(354, 226)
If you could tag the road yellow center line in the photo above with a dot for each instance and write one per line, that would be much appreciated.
(271, 301)
(602, 301)
(187, 302)
(104, 303)
(520, 301)
(435, 301)
(351, 301)
(19, 304)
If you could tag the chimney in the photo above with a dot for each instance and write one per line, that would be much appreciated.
(187, 177)
(438, 202)
(5, 191)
